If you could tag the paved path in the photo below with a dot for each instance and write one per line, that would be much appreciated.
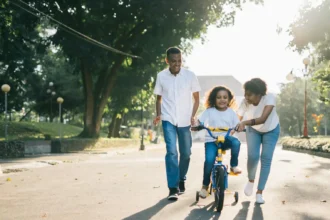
(132, 185)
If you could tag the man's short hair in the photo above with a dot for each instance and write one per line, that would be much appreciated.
(172, 50)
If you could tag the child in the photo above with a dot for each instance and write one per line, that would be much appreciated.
(219, 114)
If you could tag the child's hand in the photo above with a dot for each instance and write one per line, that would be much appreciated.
(232, 132)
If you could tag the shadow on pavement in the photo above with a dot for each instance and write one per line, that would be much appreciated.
(286, 161)
(257, 212)
(207, 212)
(243, 212)
(309, 217)
(149, 212)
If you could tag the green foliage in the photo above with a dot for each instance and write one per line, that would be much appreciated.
(322, 78)
(20, 45)
(313, 29)
(290, 107)
(143, 28)
(56, 68)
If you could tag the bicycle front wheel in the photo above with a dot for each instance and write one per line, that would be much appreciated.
(219, 194)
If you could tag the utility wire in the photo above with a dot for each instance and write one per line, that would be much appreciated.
(71, 30)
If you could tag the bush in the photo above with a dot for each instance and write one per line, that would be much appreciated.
(321, 144)
(12, 149)
(47, 137)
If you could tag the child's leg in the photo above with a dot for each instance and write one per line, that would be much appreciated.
(235, 148)
(210, 154)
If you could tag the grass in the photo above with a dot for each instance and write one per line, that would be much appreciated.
(37, 130)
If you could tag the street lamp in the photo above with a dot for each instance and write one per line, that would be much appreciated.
(52, 93)
(60, 100)
(291, 77)
(142, 147)
(6, 88)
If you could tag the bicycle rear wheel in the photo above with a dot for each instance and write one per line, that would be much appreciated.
(219, 194)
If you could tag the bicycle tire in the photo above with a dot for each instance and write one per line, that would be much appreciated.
(219, 194)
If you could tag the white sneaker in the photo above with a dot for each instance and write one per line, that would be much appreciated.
(259, 199)
(203, 193)
(248, 189)
(236, 170)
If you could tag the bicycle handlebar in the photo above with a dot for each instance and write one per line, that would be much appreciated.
(210, 129)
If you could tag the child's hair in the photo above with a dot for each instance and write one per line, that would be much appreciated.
(212, 95)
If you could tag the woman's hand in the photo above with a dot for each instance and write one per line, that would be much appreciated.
(240, 127)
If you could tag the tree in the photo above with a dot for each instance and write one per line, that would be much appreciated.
(56, 68)
(144, 28)
(322, 78)
(20, 46)
(290, 106)
(312, 29)
(131, 96)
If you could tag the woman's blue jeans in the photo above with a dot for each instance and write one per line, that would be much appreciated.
(268, 141)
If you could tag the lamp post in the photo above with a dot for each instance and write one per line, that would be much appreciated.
(60, 100)
(291, 77)
(6, 88)
(52, 93)
(142, 147)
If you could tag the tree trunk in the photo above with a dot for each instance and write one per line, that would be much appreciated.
(89, 128)
(117, 127)
(94, 107)
(95, 102)
(300, 128)
(112, 125)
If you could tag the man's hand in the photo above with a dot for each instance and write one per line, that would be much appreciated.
(193, 121)
(157, 120)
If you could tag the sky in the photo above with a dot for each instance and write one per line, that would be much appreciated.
(251, 47)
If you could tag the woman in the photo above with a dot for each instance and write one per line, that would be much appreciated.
(262, 129)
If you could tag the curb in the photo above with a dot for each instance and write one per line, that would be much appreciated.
(105, 152)
(305, 151)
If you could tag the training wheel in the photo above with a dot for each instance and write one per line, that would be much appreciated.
(197, 196)
(236, 196)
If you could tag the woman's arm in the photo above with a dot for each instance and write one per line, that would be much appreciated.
(262, 119)
(256, 121)
(240, 117)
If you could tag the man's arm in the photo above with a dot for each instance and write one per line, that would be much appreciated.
(158, 109)
(195, 108)
(158, 105)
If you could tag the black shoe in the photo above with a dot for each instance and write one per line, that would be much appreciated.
(173, 194)
(181, 187)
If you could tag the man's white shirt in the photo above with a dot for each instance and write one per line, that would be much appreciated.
(176, 92)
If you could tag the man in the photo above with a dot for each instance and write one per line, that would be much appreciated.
(175, 88)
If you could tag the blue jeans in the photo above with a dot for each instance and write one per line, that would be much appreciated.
(268, 141)
(176, 171)
(211, 151)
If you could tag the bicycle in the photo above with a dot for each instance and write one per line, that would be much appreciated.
(219, 176)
